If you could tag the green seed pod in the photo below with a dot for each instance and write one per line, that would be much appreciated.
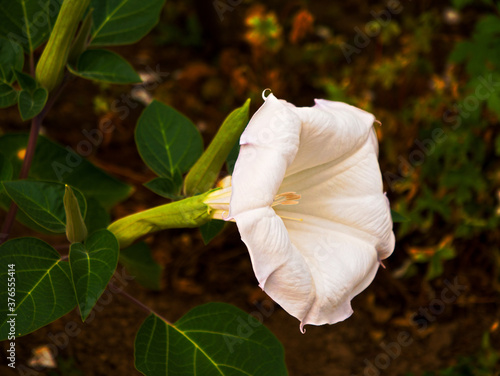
(50, 67)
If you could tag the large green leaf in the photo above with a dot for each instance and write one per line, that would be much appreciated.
(42, 202)
(138, 261)
(92, 266)
(11, 58)
(53, 162)
(28, 22)
(105, 66)
(123, 21)
(214, 339)
(43, 290)
(167, 141)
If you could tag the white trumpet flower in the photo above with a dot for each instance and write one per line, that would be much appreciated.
(307, 197)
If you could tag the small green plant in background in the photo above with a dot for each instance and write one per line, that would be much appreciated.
(484, 363)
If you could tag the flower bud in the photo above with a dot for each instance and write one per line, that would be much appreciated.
(50, 67)
(76, 231)
(204, 173)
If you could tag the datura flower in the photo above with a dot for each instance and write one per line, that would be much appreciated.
(307, 197)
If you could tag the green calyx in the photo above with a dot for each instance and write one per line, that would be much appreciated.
(188, 213)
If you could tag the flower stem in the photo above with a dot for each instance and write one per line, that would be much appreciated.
(36, 124)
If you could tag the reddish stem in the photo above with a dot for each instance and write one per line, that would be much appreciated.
(36, 124)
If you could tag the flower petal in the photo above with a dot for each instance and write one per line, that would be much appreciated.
(327, 155)
(279, 267)
(341, 266)
(268, 147)
(348, 195)
(330, 131)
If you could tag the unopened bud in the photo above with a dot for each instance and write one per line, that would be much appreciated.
(76, 231)
(50, 67)
(205, 172)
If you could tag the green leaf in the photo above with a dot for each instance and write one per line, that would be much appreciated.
(105, 66)
(232, 157)
(8, 96)
(396, 217)
(80, 42)
(211, 229)
(26, 81)
(205, 172)
(42, 202)
(32, 103)
(11, 58)
(213, 339)
(43, 285)
(31, 99)
(123, 21)
(167, 140)
(5, 170)
(53, 162)
(138, 261)
(168, 187)
(97, 217)
(92, 266)
(28, 22)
